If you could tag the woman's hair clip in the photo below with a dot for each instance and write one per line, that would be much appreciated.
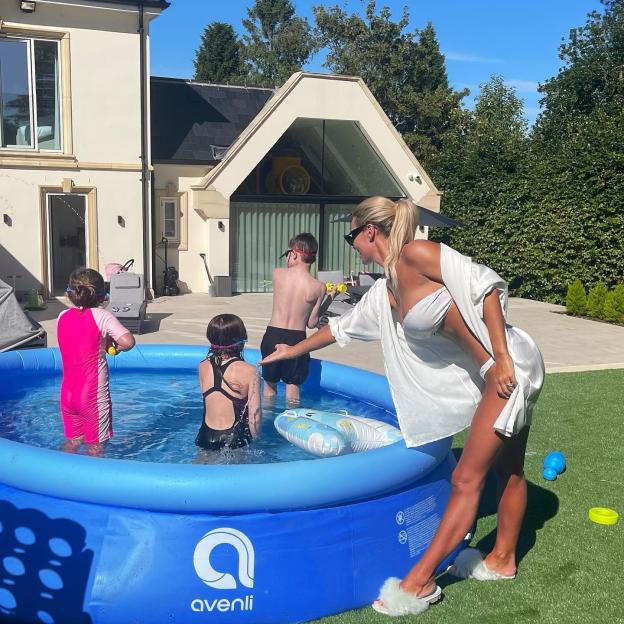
(69, 289)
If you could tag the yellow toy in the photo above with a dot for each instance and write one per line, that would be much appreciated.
(603, 515)
(341, 288)
(111, 350)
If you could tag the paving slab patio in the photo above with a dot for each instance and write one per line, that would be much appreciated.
(568, 343)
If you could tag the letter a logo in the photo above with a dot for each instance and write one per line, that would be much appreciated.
(224, 580)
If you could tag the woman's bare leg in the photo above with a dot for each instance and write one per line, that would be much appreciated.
(479, 455)
(512, 492)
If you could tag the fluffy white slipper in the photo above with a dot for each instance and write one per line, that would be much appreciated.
(395, 601)
(469, 564)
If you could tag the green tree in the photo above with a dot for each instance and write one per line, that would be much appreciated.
(549, 209)
(573, 223)
(479, 173)
(592, 76)
(404, 70)
(218, 57)
(576, 299)
(276, 44)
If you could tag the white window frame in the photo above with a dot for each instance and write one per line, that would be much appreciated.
(176, 202)
(32, 97)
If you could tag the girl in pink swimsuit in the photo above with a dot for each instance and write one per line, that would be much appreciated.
(84, 334)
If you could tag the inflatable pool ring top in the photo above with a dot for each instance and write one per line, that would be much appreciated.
(327, 434)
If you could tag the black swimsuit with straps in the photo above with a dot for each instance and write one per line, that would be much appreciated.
(238, 434)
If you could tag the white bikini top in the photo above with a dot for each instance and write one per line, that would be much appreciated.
(426, 317)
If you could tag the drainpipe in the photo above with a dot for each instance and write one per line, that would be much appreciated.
(154, 232)
(144, 155)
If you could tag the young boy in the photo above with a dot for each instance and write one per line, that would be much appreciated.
(297, 298)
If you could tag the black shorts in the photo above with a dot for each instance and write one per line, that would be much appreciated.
(291, 371)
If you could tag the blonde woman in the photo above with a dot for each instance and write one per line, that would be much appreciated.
(452, 362)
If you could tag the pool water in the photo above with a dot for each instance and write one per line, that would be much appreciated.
(156, 416)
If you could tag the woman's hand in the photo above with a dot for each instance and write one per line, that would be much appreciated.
(504, 376)
(282, 352)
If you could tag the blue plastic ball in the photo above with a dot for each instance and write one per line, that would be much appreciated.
(550, 474)
(556, 461)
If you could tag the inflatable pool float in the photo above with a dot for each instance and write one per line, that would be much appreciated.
(329, 434)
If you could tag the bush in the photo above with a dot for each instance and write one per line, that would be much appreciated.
(609, 312)
(596, 300)
(576, 299)
(618, 299)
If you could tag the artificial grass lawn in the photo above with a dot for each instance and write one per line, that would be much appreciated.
(570, 569)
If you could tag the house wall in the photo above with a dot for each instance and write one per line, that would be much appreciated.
(311, 96)
(176, 181)
(102, 116)
(22, 249)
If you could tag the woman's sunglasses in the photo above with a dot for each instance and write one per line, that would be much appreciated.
(353, 234)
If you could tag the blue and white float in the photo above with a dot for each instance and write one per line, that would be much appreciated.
(328, 434)
(106, 541)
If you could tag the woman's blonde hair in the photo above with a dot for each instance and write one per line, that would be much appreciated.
(397, 221)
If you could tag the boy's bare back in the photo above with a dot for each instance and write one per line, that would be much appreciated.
(297, 298)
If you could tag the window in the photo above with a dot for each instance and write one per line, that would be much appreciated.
(170, 218)
(29, 94)
(322, 157)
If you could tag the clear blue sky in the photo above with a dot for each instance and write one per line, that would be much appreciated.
(517, 39)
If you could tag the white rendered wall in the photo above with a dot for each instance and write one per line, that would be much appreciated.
(176, 180)
(117, 194)
(106, 136)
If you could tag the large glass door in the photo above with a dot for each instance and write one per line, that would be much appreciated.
(260, 234)
(67, 241)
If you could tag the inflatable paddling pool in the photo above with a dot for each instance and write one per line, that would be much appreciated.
(113, 541)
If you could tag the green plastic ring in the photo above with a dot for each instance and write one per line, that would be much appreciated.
(603, 515)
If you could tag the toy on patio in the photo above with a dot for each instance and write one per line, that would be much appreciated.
(35, 300)
(554, 465)
(340, 288)
(603, 515)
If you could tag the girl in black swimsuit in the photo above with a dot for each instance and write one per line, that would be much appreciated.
(227, 336)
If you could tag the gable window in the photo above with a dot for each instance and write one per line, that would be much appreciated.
(29, 94)
(170, 218)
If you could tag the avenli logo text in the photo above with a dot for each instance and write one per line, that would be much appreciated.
(224, 580)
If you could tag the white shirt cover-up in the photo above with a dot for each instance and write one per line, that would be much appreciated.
(434, 384)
